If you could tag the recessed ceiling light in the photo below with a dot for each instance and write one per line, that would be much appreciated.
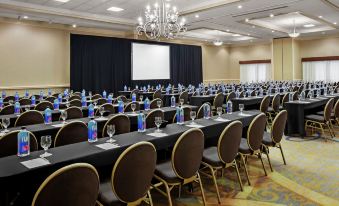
(253, 26)
(247, 20)
(25, 17)
(248, 34)
(323, 32)
(235, 35)
(74, 26)
(218, 43)
(271, 15)
(62, 1)
(228, 30)
(197, 16)
(335, 23)
(115, 9)
(240, 7)
(273, 31)
(320, 17)
(309, 25)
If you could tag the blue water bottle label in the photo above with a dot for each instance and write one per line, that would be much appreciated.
(48, 116)
(141, 123)
(3, 94)
(16, 96)
(92, 131)
(60, 98)
(56, 104)
(91, 111)
(17, 108)
(104, 94)
(83, 102)
(1, 103)
(26, 94)
(23, 144)
(33, 100)
(134, 97)
(110, 99)
(178, 115)
(121, 107)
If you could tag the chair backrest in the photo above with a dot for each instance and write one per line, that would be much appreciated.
(102, 101)
(43, 105)
(200, 113)
(77, 94)
(218, 100)
(276, 102)
(154, 103)
(151, 116)
(56, 95)
(96, 96)
(29, 118)
(74, 97)
(66, 186)
(74, 113)
(157, 94)
(229, 141)
(265, 103)
(231, 96)
(133, 172)
(129, 109)
(136, 92)
(8, 98)
(9, 109)
(9, 143)
(241, 95)
(108, 108)
(25, 101)
(336, 109)
(278, 126)
(253, 93)
(71, 133)
(255, 132)
(328, 109)
(50, 99)
(184, 96)
(75, 103)
(187, 114)
(122, 98)
(187, 153)
(295, 96)
(285, 99)
(121, 122)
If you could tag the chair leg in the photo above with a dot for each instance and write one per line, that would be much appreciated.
(168, 191)
(243, 161)
(262, 162)
(202, 189)
(215, 183)
(268, 157)
(179, 191)
(282, 154)
(150, 198)
(239, 179)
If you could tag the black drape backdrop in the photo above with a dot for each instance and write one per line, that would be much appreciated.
(104, 63)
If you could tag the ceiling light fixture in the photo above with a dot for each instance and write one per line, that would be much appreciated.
(62, 1)
(273, 31)
(25, 17)
(271, 15)
(320, 17)
(236, 35)
(197, 16)
(240, 7)
(74, 26)
(217, 43)
(247, 20)
(115, 9)
(295, 34)
(335, 23)
(309, 25)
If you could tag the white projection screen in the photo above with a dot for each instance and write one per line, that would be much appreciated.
(150, 62)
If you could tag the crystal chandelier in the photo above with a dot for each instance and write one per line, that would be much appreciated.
(161, 21)
(295, 34)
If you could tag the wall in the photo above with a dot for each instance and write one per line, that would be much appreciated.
(319, 47)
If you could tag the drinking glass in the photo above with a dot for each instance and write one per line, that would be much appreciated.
(5, 123)
(95, 103)
(63, 116)
(111, 132)
(193, 115)
(90, 95)
(45, 142)
(133, 106)
(241, 108)
(101, 111)
(26, 107)
(158, 121)
(141, 97)
(182, 101)
(256, 93)
(159, 103)
(219, 112)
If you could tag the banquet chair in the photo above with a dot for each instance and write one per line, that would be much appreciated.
(37, 96)
(9, 98)
(223, 155)
(187, 116)
(29, 118)
(154, 103)
(108, 108)
(71, 133)
(315, 121)
(207, 92)
(157, 94)
(274, 109)
(273, 138)
(253, 93)
(136, 92)
(184, 96)
(284, 100)
(151, 117)
(183, 166)
(96, 96)
(77, 94)
(74, 97)
(218, 101)
(56, 95)
(242, 94)
(50, 99)
(73, 113)
(9, 143)
(200, 113)
(122, 98)
(25, 102)
(67, 187)
(75, 103)
(101, 101)
(128, 107)
(43, 105)
(230, 96)
(264, 105)
(9, 109)
(295, 96)
(121, 122)
(131, 178)
(251, 145)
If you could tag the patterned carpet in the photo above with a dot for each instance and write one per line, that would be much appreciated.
(311, 177)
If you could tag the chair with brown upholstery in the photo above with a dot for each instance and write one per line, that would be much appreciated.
(184, 96)
(157, 94)
(77, 94)
(265, 103)
(108, 108)
(273, 139)
(131, 177)
(122, 98)
(187, 116)
(242, 94)
(74, 97)
(43, 105)
(151, 116)
(9, 143)
(73, 113)
(251, 146)
(66, 186)
(122, 124)
(218, 101)
(184, 164)
(200, 113)
(25, 102)
(128, 107)
(96, 96)
(50, 99)
(71, 133)
(56, 95)
(9, 109)
(29, 118)
(101, 101)
(75, 103)
(272, 111)
(284, 100)
(295, 96)
(154, 104)
(315, 121)
(231, 96)
(136, 92)
(223, 155)
(9, 98)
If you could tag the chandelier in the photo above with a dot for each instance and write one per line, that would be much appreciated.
(295, 34)
(161, 21)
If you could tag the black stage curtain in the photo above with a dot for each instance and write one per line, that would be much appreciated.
(104, 63)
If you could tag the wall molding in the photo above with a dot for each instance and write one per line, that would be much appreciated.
(314, 59)
(35, 87)
(220, 80)
(264, 61)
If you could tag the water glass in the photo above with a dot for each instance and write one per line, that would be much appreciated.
(141, 97)
(241, 108)
(63, 116)
(219, 112)
(182, 101)
(111, 132)
(5, 123)
(159, 103)
(101, 111)
(158, 121)
(95, 103)
(45, 143)
(90, 95)
(133, 107)
(27, 107)
(193, 115)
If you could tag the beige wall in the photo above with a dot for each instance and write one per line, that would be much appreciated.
(319, 47)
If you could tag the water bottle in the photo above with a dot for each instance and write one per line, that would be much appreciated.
(91, 110)
(26, 93)
(60, 98)
(148, 86)
(83, 102)
(237, 94)
(145, 89)
(137, 87)
(3, 94)
(173, 101)
(290, 97)
(17, 108)
(48, 116)
(1, 103)
(49, 92)
(92, 131)
(125, 88)
(141, 122)
(134, 97)
(198, 92)
(41, 95)
(56, 104)
(147, 104)
(180, 115)
(229, 107)
(120, 106)
(325, 91)
(104, 94)
(207, 111)
(23, 143)
(16, 96)
(302, 95)
(110, 99)
(167, 90)
(66, 92)
(33, 101)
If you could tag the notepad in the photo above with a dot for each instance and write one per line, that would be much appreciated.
(107, 146)
(38, 162)
(194, 125)
(157, 134)
(221, 120)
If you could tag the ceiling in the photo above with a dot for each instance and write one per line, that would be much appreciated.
(207, 20)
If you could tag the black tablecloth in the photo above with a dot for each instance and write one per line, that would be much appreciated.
(200, 100)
